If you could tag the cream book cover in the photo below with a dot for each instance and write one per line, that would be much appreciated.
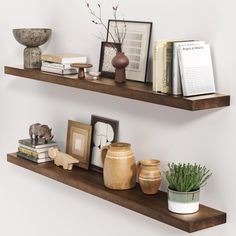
(196, 70)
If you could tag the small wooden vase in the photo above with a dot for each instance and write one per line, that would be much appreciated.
(120, 62)
(149, 176)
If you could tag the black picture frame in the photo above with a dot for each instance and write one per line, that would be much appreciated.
(95, 153)
(105, 64)
(132, 71)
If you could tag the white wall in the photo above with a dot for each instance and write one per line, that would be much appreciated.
(34, 205)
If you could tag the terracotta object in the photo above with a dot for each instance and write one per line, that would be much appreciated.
(32, 39)
(149, 176)
(119, 170)
(62, 159)
(120, 62)
(81, 67)
(38, 131)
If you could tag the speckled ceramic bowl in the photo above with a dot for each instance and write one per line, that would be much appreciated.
(32, 37)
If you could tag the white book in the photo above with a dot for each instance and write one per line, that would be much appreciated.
(39, 150)
(64, 58)
(56, 65)
(176, 78)
(196, 70)
(59, 71)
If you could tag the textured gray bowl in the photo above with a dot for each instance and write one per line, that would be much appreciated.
(32, 37)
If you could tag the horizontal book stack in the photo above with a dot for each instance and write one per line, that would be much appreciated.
(37, 153)
(60, 63)
(182, 68)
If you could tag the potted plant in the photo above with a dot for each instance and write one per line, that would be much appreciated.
(185, 182)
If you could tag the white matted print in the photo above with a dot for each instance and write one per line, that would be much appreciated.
(79, 142)
(105, 132)
(136, 46)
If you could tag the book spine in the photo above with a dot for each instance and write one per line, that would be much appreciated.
(32, 153)
(29, 158)
(169, 63)
(59, 71)
(164, 79)
(39, 150)
(167, 67)
(35, 160)
(56, 65)
(154, 77)
(179, 51)
(38, 147)
(176, 78)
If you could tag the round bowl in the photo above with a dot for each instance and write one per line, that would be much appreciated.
(32, 37)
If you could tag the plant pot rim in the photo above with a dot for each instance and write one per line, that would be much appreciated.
(177, 192)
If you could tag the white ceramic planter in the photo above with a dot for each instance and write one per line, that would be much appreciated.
(183, 202)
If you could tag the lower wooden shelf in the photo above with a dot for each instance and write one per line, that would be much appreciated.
(151, 206)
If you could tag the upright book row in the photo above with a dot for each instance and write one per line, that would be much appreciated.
(182, 68)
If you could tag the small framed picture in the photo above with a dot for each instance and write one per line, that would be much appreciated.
(108, 52)
(105, 132)
(79, 142)
(136, 45)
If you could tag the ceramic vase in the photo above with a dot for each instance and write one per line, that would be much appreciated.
(149, 176)
(183, 202)
(119, 171)
(120, 62)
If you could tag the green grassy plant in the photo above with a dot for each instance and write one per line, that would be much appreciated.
(186, 177)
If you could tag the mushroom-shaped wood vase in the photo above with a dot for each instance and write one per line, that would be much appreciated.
(81, 67)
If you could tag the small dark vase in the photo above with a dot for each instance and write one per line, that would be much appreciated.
(120, 62)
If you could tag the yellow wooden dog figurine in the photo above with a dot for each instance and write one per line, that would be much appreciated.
(62, 159)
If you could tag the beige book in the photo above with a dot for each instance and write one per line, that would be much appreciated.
(158, 65)
(64, 58)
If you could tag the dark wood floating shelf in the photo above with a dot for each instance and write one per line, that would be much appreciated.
(151, 206)
(133, 90)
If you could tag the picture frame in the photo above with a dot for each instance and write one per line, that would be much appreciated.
(79, 142)
(108, 52)
(136, 46)
(105, 132)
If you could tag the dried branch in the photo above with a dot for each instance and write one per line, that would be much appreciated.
(99, 20)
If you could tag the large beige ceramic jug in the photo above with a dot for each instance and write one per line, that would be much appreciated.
(119, 170)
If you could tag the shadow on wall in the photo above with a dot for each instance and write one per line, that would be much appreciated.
(137, 109)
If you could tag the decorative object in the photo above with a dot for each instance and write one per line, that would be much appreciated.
(79, 142)
(38, 131)
(119, 171)
(108, 52)
(185, 181)
(32, 39)
(62, 159)
(135, 46)
(105, 132)
(94, 74)
(120, 62)
(149, 176)
(109, 48)
(81, 67)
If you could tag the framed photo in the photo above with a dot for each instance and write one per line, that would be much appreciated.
(136, 46)
(105, 132)
(79, 142)
(108, 52)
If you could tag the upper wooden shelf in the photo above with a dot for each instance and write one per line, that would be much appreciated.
(152, 206)
(133, 90)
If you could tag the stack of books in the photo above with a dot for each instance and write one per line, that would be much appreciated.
(37, 153)
(182, 67)
(61, 63)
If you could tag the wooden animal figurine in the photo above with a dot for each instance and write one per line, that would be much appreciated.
(38, 131)
(62, 159)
